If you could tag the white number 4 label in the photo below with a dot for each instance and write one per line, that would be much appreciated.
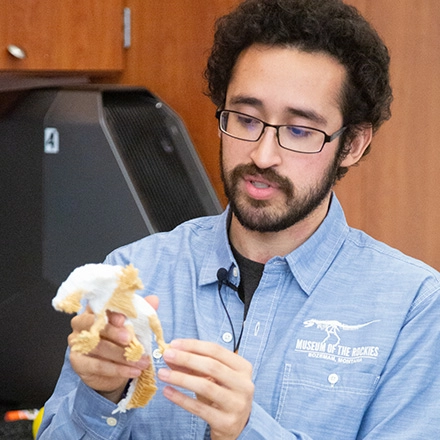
(51, 140)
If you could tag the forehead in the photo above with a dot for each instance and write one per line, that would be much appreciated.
(281, 79)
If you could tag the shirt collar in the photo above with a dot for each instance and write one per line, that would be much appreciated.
(219, 253)
(308, 263)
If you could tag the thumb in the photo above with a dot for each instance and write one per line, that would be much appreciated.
(153, 300)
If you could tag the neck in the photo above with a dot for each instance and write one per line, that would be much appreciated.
(262, 246)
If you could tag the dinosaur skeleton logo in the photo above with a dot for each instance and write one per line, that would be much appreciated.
(330, 348)
(333, 328)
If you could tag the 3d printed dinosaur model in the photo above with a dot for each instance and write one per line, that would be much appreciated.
(105, 287)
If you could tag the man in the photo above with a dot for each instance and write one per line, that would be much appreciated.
(309, 330)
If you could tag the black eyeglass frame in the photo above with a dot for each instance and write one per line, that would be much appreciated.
(327, 138)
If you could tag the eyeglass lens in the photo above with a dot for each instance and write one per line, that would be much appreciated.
(292, 137)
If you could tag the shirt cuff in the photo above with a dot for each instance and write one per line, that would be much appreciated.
(94, 413)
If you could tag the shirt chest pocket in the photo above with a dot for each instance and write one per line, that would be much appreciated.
(331, 395)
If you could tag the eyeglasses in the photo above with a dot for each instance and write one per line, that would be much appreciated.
(296, 138)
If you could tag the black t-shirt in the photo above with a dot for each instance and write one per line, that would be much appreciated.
(250, 276)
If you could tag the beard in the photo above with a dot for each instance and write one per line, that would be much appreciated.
(271, 216)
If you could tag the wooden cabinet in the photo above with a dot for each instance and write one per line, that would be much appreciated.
(67, 35)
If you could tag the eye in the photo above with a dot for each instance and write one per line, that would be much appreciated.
(298, 132)
(247, 121)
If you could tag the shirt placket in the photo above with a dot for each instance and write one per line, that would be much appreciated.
(261, 315)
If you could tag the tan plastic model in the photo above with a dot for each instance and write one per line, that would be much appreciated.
(105, 287)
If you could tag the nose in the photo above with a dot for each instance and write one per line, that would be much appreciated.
(266, 153)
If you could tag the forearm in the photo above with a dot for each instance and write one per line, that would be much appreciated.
(83, 412)
(75, 410)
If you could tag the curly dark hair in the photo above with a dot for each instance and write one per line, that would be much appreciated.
(327, 26)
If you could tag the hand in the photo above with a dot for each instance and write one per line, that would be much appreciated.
(221, 379)
(105, 368)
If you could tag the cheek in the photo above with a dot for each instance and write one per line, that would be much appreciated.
(300, 166)
(232, 154)
(305, 170)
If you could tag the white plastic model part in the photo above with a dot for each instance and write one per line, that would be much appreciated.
(105, 287)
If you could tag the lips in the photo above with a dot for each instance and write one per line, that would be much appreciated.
(259, 188)
(260, 182)
(256, 183)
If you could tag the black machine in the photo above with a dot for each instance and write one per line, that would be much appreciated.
(82, 171)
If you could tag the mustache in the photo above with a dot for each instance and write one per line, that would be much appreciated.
(269, 174)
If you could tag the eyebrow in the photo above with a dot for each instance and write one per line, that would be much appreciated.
(303, 113)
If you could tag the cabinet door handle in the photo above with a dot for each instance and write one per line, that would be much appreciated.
(16, 52)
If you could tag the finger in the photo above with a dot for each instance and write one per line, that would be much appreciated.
(118, 335)
(83, 321)
(116, 319)
(213, 351)
(225, 396)
(91, 366)
(196, 365)
(201, 408)
(100, 375)
(209, 360)
(206, 388)
(210, 380)
(153, 300)
(223, 421)
(109, 351)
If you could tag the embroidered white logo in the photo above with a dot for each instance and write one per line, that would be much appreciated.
(330, 348)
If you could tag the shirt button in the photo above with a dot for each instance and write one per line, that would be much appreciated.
(111, 421)
(227, 337)
(157, 354)
(333, 379)
(235, 272)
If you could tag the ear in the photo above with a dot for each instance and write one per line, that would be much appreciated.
(358, 145)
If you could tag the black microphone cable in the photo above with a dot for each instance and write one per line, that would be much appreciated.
(222, 278)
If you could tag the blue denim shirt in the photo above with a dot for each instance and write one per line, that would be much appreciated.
(343, 336)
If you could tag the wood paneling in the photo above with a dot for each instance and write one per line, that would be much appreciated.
(393, 193)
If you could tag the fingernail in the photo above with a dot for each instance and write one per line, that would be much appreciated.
(143, 363)
(125, 337)
(134, 372)
(169, 354)
(163, 373)
(176, 343)
(168, 392)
